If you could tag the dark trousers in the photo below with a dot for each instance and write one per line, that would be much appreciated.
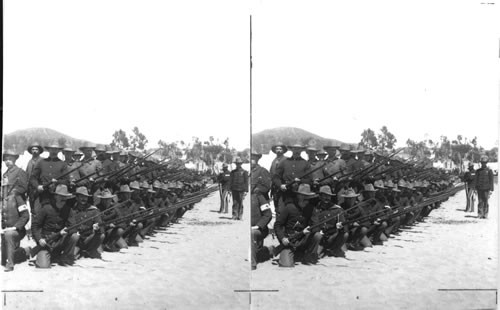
(257, 244)
(11, 252)
(482, 205)
(65, 246)
(308, 247)
(238, 205)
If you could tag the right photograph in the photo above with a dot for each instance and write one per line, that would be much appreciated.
(374, 155)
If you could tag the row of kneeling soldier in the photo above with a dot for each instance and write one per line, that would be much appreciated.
(98, 200)
(341, 199)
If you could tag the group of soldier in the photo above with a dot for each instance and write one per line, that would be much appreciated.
(344, 198)
(478, 183)
(99, 198)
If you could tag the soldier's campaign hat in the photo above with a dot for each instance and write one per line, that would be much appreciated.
(297, 146)
(305, 190)
(82, 190)
(109, 149)
(321, 153)
(9, 152)
(395, 188)
(100, 148)
(54, 145)
(358, 149)
(402, 183)
(368, 153)
(123, 153)
(388, 183)
(125, 189)
(484, 159)
(68, 149)
(34, 144)
(106, 194)
(273, 148)
(77, 153)
(325, 189)
(379, 184)
(345, 147)
(331, 147)
(151, 190)
(87, 145)
(62, 190)
(115, 150)
(157, 184)
(134, 185)
(311, 149)
(349, 193)
(369, 188)
(255, 154)
(237, 160)
(144, 185)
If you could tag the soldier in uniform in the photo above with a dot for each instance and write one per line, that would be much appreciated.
(113, 233)
(90, 166)
(35, 149)
(47, 175)
(91, 234)
(72, 164)
(279, 150)
(470, 190)
(225, 191)
(484, 187)
(286, 176)
(15, 214)
(239, 188)
(260, 210)
(50, 230)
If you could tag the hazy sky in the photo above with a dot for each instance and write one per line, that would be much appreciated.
(178, 69)
(175, 69)
(423, 68)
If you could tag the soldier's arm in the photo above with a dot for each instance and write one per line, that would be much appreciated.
(24, 215)
(37, 224)
(279, 225)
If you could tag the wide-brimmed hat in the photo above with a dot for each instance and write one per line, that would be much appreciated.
(87, 145)
(321, 153)
(109, 149)
(484, 159)
(34, 144)
(379, 184)
(311, 149)
(325, 189)
(402, 183)
(106, 194)
(238, 160)
(395, 188)
(389, 183)
(345, 147)
(9, 152)
(123, 153)
(54, 145)
(368, 153)
(305, 190)
(349, 193)
(255, 154)
(144, 185)
(62, 190)
(77, 153)
(125, 189)
(369, 188)
(273, 148)
(100, 148)
(82, 190)
(157, 184)
(297, 146)
(68, 149)
(358, 149)
(151, 190)
(134, 185)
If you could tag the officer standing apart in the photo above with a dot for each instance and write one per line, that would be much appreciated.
(239, 188)
(484, 187)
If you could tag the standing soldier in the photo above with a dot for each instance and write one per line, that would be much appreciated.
(47, 174)
(239, 188)
(469, 179)
(224, 187)
(286, 177)
(14, 175)
(279, 150)
(484, 187)
(35, 149)
(72, 164)
(90, 166)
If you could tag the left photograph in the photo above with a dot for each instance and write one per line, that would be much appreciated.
(125, 155)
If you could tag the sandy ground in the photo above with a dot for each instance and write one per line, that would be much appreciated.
(420, 269)
(197, 263)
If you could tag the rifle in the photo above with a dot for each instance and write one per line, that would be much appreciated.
(304, 175)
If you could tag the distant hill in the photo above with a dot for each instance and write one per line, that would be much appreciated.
(21, 139)
(262, 141)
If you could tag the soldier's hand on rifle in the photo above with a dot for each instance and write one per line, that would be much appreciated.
(296, 180)
(283, 187)
(53, 181)
(95, 226)
(335, 178)
(316, 181)
(387, 207)
(91, 179)
(42, 242)
(377, 222)
(40, 188)
(63, 231)
(255, 227)
(339, 225)
(285, 241)
(306, 230)
(112, 225)
(355, 224)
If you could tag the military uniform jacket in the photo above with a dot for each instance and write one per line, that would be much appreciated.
(107, 215)
(16, 174)
(261, 212)
(261, 180)
(90, 167)
(328, 211)
(292, 219)
(31, 165)
(75, 175)
(50, 220)
(289, 169)
(275, 164)
(484, 179)
(83, 213)
(14, 212)
(48, 169)
(224, 178)
(239, 180)
(334, 166)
